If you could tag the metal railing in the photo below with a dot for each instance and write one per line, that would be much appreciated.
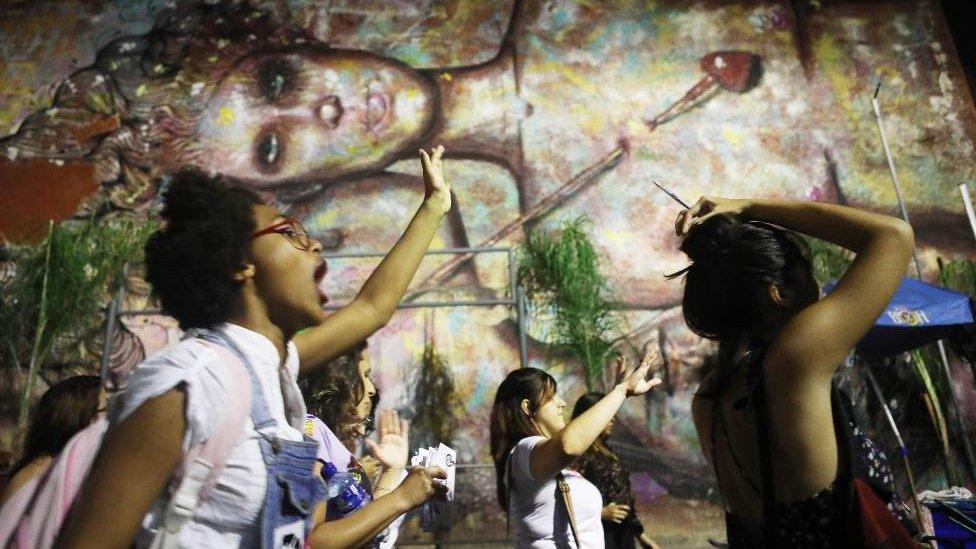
(516, 299)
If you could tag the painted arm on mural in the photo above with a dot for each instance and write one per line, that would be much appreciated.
(552, 455)
(816, 340)
(376, 302)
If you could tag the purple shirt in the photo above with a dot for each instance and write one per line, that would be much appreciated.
(331, 449)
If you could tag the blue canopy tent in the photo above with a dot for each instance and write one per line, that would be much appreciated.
(918, 314)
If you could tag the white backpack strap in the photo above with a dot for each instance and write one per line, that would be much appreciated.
(203, 463)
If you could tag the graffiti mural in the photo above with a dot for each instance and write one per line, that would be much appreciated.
(547, 109)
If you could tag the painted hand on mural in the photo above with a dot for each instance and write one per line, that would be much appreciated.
(393, 447)
(437, 193)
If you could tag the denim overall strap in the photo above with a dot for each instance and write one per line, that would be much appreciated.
(264, 424)
(293, 489)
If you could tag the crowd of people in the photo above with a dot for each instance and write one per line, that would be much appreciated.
(243, 281)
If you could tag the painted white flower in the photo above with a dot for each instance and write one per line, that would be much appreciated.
(89, 271)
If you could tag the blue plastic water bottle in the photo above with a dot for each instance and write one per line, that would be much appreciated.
(345, 495)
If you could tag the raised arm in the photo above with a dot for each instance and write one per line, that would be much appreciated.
(376, 302)
(816, 339)
(136, 460)
(550, 456)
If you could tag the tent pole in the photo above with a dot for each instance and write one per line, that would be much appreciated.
(902, 449)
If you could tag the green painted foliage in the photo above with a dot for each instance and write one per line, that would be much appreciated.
(436, 404)
(60, 286)
(828, 261)
(560, 271)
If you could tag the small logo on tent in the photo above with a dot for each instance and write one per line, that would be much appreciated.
(910, 317)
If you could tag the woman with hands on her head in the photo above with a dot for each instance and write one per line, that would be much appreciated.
(533, 446)
(750, 287)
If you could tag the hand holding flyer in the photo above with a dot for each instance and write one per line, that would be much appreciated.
(437, 514)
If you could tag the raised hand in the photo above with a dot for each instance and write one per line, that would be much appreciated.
(437, 193)
(634, 380)
(393, 446)
(706, 207)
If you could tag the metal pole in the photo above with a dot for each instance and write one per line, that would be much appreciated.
(894, 174)
(111, 313)
(902, 449)
(964, 190)
(439, 251)
(522, 313)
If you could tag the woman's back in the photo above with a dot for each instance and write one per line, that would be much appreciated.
(803, 451)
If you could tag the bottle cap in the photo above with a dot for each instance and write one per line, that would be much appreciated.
(329, 469)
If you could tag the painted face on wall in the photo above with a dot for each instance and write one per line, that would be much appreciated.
(313, 112)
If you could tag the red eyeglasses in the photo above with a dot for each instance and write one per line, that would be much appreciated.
(290, 229)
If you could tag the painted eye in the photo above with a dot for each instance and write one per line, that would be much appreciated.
(268, 150)
(275, 78)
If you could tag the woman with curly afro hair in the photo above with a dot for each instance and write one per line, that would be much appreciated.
(236, 270)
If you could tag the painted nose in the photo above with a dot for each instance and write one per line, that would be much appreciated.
(329, 111)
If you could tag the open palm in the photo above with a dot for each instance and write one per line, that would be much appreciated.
(393, 446)
(635, 380)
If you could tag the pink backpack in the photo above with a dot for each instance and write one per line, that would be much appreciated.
(33, 515)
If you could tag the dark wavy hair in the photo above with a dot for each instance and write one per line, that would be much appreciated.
(509, 424)
(726, 295)
(206, 237)
(66, 408)
(332, 393)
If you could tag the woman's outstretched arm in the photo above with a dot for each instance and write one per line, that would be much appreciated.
(366, 523)
(376, 302)
(550, 456)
